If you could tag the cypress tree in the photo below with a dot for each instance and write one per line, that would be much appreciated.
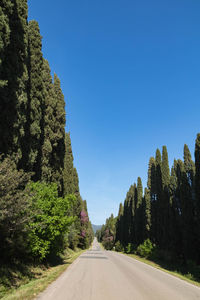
(139, 192)
(147, 214)
(187, 218)
(32, 147)
(151, 193)
(187, 204)
(189, 166)
(13, 76)
(158, 204)
(76, 182)
(58, 151)
(133, 206)
(128, 217)
(165, 168)
(47, 163)
(5, 7)
(175, 241)
(165, 198)
(139, 214)
(69, 175)
(151, 181)
(119, 224)
(197, 189)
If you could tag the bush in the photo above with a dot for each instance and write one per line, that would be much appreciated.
(73, 236)
(108, 242)
(50, 224)
(129, 248)
(119, 247)
(146, 249)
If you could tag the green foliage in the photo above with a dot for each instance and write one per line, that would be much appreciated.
(147, 213)
(146, 249)
(107, 234)
(13, 75)
(68, 174)
(73, 236)
(32, 146)
(168, 213)
(119, 224)
(47, 164)
(197, 188)
(86, 232)
(139, 217)
(15, 210)
(41, 219)
(50, 221)
(4, 40)
(58, 149)
(108, 244)
(129, 248)
(119, 247)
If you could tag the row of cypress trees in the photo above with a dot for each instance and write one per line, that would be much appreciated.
(168, 213)
(32, 108)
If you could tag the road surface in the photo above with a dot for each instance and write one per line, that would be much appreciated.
(106, 275)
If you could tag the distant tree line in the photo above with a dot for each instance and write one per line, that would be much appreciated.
(41, 210)
(167, 216)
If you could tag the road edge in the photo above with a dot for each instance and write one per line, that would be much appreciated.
(157, 266)
(35, 287)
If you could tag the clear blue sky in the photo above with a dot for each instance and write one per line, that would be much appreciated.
(130, 73)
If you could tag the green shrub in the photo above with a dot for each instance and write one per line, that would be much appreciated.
(146, 249)
(129, 248)
(193, 269)
(50, 220)
(119, 247)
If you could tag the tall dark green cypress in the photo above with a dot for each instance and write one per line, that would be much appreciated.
(189, 167)
(175, 213)
(139, 214)
(165, 199)
(165, 168)
(147, 214)
(119, 224)
(197, 190)
(69, 176)
(187, 206)
(158, 204)
(151, 193)
(32, 147)
(128, 216)
(47, 163)
(5, 7)
(133, 195)
(13, 76)
(58, 151)
(151, 181)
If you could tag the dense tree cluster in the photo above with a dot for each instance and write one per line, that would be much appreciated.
(34, 146)
(167, 215)
(107, 233)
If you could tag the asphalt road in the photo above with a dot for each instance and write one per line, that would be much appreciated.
(106, 275)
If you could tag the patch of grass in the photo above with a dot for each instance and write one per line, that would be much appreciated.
(102, 247)
(25, 282)
(182, 272)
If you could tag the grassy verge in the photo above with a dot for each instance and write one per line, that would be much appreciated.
(26, 282)
(102, 247)
(168, 269)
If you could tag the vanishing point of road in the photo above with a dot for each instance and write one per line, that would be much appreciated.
(106, 275)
